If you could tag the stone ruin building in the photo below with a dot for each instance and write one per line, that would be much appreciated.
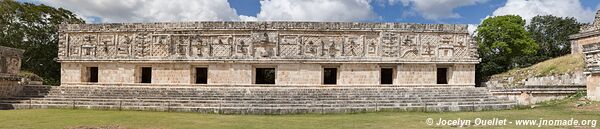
(266, 68)
(588, 43)
(10, 66)
(280, 53)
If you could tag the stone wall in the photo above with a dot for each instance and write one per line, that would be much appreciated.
(299, 74)
(588, 43)
(10, 60)
(359, 74)
(528, 95)
(230, 74)
(463, 74)
(575, 78)
(10, 66)
(593, 87)
(169, 73)
(416, 74)
(244, 74)
(577, 45)
(9, 86)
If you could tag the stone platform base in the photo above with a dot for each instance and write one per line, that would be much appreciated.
(528, 95)
(258, 100)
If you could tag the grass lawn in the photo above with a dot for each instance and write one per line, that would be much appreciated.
(68, 118)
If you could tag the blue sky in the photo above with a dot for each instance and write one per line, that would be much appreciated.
(413, 11)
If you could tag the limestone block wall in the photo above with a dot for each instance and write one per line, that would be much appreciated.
(70, 73)
(299, 74)
(286, 73)
(230, 74)
(171, 73)
(10, 60)
(576, 44)
(358, 74)
(9, 86)
(593, 87)
(416, 74)
(462, 74)
(116, 73)
(10, 64)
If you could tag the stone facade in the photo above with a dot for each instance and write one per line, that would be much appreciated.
(588, 43)
(298, 51)
(10, 66)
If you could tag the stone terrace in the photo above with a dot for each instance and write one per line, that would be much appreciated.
(258, 100)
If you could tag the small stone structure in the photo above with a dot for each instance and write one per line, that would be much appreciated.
(574, 79)
(588, 43)
(532, 94)
(10, 66)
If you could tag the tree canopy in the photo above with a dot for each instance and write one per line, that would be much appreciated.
(34, 28)
(500, 40)
(551, 34)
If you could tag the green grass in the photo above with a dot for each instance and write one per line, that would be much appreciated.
(66, 118)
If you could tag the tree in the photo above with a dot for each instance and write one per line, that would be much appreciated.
(34, 28)
(501, 39)
(551, 34)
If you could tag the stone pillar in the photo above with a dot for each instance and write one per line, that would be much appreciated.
(593, 87)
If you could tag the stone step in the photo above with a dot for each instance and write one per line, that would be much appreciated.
(258, 100)
(77, 100)
(276, 110)
(269, 105)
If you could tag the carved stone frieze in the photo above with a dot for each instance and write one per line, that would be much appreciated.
(424, 42)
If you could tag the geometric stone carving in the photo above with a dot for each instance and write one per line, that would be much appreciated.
(354, 46)
(428, 45)
(160, 45)
(312, 46)
(201, 46)
(289, 46)
(106, 47)
(264, 44)
(124, 44)
(446, 48)
(461, 47)
(371, 42)
(409, 46)
(142, 44)
(243, 45)
(390, 44)
(331, 46)
(412, 42)
(180, 45)
(221, 46)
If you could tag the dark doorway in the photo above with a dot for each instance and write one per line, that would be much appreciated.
(265, 76)
(146, 75)
(330, 76)
(442, 75)
(387, 75)
(201, 75)
(93, 74)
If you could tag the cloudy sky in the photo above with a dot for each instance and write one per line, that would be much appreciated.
(414, 11)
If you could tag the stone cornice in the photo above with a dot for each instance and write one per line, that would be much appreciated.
(279, 25)
(4, 51)
(585, 34)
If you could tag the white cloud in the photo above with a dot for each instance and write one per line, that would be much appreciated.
(531, 8)
(436, 9)
(471, 28)
(315, 10)
(149, 10)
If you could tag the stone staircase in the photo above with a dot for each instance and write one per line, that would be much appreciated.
(258, 100)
